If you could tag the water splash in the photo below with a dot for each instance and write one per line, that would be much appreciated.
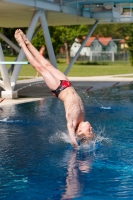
(98, 96)
(93, 145)
(6, 120)
(31, 84)
(59, 137)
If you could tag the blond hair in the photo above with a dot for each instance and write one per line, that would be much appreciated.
(83, 139)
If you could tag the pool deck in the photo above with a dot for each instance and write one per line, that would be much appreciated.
(35, 89)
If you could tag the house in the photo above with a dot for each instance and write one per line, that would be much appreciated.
(123, 45)
(94, 44)
(74, 48)
(108, 44)
(91, 45)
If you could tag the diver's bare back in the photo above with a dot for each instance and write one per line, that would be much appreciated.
(73, 105)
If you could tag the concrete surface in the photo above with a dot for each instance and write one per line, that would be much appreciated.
(35, 89)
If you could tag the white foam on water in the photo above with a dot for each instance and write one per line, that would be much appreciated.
(94, 144)
(6, 120)
(105, 108)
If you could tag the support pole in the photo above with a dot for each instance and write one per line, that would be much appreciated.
(4, 73)
(83, 43)
(21, 56)
(48, 39)
(37, 30)
(113, 56)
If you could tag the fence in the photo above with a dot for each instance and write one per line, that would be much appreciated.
(101, 56)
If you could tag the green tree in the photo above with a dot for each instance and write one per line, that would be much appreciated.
(66, 36)
(61, 36)
(9, 33)
(129, 41)
(38, 41)
(116, 31)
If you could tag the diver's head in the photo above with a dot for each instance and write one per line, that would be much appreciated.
(84, 132)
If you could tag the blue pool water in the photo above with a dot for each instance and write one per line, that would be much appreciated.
(37, 161)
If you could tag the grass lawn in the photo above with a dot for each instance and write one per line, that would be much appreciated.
(26, 70)
(83, 69)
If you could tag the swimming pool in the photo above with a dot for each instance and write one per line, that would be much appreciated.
(37, 161)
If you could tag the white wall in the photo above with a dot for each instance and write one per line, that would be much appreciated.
(85, 51)
(75, 47)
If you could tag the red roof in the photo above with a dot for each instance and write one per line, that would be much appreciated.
(104, 40)
(90, 41)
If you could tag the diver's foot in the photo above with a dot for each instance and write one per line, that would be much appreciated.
(18, 37)
(24, 37)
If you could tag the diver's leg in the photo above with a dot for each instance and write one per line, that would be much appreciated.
(58, 74)
(50, 80)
